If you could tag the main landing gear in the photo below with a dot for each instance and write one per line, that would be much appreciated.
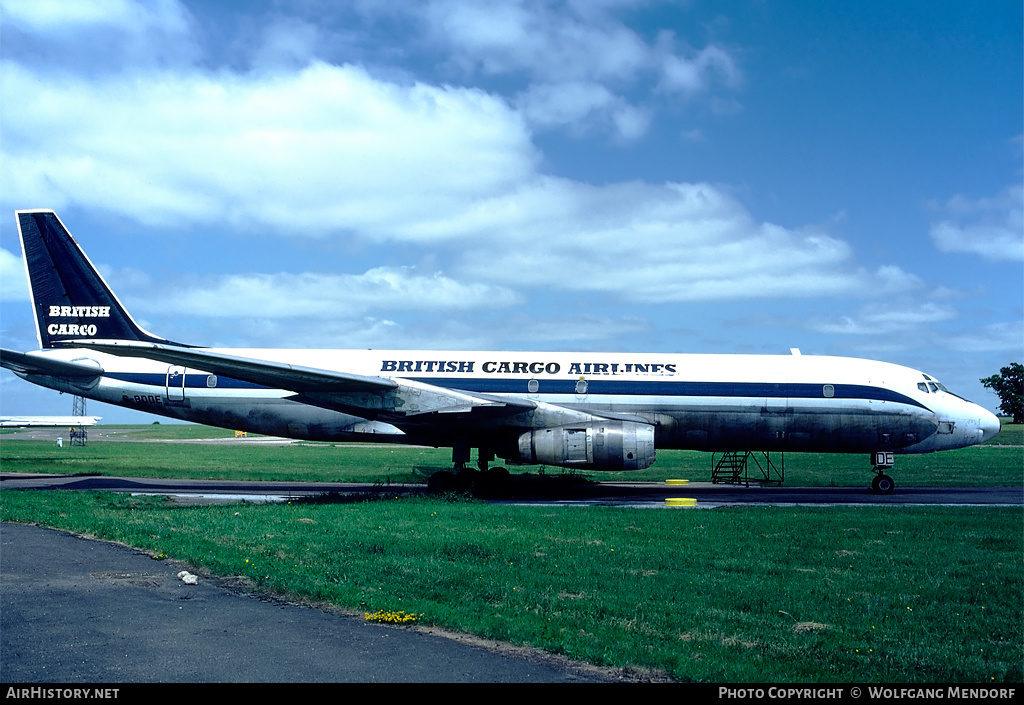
(882, 461)
(481, 480)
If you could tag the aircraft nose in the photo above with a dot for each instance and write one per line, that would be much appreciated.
(988, 424)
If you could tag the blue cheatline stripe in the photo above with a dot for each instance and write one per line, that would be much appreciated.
(159, 379)
(790, 390)
(663, 388)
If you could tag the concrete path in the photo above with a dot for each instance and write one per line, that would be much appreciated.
(81, 611)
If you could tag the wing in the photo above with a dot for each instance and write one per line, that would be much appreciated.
(365, 396)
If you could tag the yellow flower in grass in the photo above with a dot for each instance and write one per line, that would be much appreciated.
(391, 617)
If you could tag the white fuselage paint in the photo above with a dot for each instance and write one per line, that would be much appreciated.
(703, 402)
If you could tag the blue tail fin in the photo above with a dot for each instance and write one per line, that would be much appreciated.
(70, 300)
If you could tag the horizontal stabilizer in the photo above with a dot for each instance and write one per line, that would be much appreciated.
(33, 363)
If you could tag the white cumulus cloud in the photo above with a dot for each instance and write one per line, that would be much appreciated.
(330, 150)
(892, 318)
(319, 149)
(660, 243)
(579, 59)
(1005, 337)
(13, 284)
(328, 296)
(992, 228)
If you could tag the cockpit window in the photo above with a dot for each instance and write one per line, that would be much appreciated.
(933, 384)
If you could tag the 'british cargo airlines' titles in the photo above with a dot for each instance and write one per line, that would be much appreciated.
(527, 368)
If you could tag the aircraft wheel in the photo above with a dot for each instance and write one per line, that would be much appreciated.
(465, 479)
(441, 482)
(498, 474)
(491, 483)
(883, 484)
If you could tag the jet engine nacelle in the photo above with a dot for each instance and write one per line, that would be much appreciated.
(611, 445)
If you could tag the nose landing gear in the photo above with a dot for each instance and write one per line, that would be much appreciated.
(882, 484)
(882, 461)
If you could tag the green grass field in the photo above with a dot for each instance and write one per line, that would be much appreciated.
(764, 594)
(758, 594)
(1000, 462)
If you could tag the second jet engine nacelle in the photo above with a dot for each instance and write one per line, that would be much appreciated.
(611, 445)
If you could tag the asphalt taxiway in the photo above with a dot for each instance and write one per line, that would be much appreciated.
(641, 494)
(80, 611)
(644, 494)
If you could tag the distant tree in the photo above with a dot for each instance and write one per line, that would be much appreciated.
(1009, 385)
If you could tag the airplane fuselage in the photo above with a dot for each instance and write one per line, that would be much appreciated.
(699, 402)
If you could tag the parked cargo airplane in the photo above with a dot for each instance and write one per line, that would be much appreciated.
(50, 421)
(600, 411)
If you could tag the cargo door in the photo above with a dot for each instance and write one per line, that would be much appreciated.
(175, 384)
(775, 416)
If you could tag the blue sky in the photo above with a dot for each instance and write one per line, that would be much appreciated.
(738, 176)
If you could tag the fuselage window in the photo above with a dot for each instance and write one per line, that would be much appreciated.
(581, 386)
(532, 386)
(828, 391)
(211, 381)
